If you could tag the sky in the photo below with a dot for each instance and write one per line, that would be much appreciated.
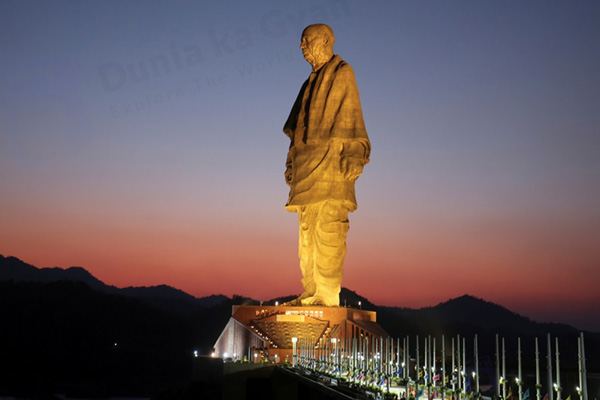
(142, 140)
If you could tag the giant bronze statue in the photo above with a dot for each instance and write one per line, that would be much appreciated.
(328, 150)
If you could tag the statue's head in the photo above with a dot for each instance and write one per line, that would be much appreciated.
(317, 44)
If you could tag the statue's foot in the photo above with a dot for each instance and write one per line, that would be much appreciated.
(314, 301)
(297, 301)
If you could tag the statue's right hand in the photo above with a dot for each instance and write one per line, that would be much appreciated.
(288, 175)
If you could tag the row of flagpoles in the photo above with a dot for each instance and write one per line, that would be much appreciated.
(380, 361)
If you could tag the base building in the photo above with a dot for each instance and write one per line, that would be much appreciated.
(275, 332)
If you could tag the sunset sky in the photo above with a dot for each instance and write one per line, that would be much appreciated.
(484, 119)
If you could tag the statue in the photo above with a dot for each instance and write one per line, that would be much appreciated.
(328, 150)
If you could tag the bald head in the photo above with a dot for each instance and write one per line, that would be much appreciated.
(321, 29)
(317, 44)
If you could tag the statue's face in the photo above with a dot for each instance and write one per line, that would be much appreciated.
(313, 45)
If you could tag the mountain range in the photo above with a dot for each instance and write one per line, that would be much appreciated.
(66, 330)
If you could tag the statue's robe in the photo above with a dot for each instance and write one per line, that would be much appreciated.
(326, 126)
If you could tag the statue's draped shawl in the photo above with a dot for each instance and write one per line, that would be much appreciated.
(325, 125)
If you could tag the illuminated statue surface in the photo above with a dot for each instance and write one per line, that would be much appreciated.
(328, 150)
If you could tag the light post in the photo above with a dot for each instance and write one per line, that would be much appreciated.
(558, 389)
(294, 355)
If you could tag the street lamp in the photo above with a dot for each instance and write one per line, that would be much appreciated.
(558, 389)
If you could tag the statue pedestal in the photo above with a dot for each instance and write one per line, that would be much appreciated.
(273, 332)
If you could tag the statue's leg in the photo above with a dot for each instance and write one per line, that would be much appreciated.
(306, 222)
(329, 250)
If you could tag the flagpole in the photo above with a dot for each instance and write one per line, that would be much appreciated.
(538, 386)
(398, 363)
(407, 358)
(476, 365)
(503, 371)
(363, 348)
(390, 362)
(549, 369)
(433, 360)
(558, 388)
(365, 357)
(497, 367)
(579, 368)
(376, 353)
(373, 354)
(443, 367)
(584, 390)
(389, 356)
(418, 377)
(520, 377)
(374, 343)
(426, 366)
(430, 364)
(464, 366)
(453, 368)
(382, 352)
(459, 365)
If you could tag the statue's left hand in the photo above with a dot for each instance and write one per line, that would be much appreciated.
(351, 168)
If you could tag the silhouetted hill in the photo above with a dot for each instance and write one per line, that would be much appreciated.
(473, 315)
(465, 313)
(212, 300)
(11, 268)
(163, 291)
(162, 296)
